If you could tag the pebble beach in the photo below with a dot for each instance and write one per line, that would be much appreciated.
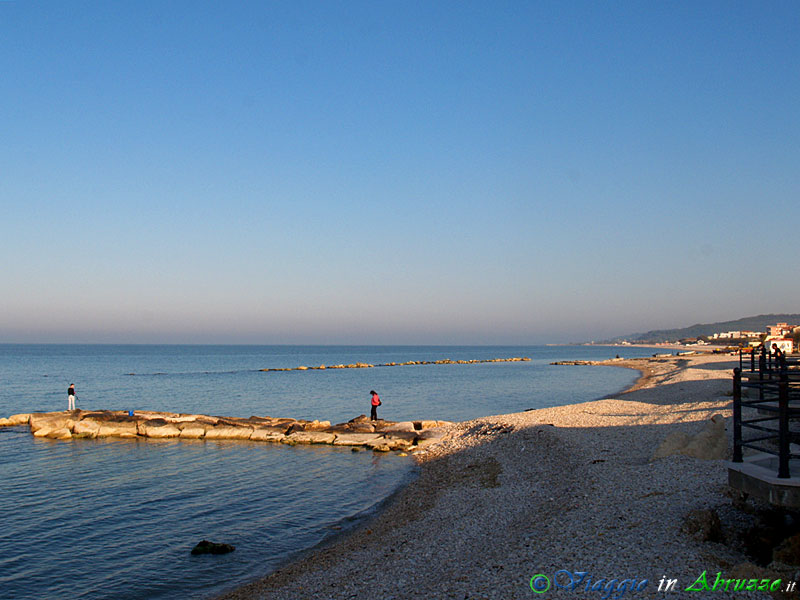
(574, 488)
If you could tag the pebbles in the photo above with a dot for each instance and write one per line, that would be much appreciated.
(503, 498)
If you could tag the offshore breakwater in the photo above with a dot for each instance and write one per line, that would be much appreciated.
(379, 436)
(362, 365)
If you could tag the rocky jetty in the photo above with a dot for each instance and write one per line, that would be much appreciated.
(380, 436)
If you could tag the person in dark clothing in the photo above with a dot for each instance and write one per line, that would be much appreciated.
(780, 357)
(71, 397)
(376, 402)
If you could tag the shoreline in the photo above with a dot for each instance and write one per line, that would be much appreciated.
(505, 497)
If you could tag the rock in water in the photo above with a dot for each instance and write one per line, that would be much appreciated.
(206, 547)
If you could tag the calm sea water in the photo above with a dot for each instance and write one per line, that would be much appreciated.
(117, 518)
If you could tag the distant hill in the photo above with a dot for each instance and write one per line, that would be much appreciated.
(758, 323)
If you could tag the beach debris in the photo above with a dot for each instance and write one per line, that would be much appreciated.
(703, 525)
(788, 552)
(206, 547)
(490, 429)
(770, 537)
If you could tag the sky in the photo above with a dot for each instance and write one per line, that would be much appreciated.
(395, 172)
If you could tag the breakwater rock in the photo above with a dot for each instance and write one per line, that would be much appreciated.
(591, 363)
(380, 436)
(360, 365)
(575, 362)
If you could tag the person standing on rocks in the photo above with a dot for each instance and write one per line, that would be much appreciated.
(71, 396)
(376, 402)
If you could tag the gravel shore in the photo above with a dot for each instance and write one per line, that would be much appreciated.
(504, 498)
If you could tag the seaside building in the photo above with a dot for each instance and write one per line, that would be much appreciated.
(779, 330)
(735, 335)
(784, 344)
(780, 336)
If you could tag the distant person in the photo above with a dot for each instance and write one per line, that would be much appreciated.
(71, 396)
(779, 357)
(376, 402)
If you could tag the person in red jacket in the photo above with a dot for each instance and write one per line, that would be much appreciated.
(376, 402)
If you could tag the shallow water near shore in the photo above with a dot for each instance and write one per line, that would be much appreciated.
(117, 518)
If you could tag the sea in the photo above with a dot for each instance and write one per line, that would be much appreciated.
(110, 518)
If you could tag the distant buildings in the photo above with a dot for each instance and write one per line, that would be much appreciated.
(780, 330)
(736, 335)
(781, 335)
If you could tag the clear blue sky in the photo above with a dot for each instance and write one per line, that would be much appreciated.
(395, 172)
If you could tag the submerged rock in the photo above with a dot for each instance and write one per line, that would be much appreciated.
(206, 547)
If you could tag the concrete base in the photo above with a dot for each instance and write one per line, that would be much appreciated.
(758, 476)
